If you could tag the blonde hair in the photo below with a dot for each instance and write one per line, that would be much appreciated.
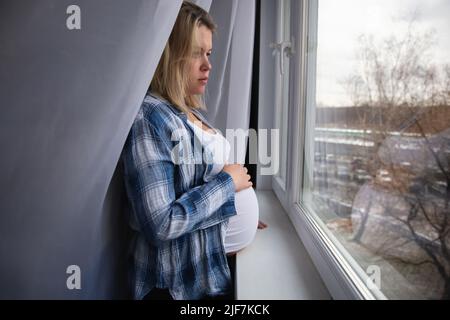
(170, 80)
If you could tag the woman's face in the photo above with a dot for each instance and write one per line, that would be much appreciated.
(199, 65)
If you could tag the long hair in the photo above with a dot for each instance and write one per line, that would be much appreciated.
(170, 80)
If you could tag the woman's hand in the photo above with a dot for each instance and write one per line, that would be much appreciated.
(239, 174)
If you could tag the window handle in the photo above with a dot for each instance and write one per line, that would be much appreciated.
(283, 48)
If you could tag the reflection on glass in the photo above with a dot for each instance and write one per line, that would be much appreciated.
(381, 140)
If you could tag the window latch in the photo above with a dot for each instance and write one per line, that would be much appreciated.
(283, 48)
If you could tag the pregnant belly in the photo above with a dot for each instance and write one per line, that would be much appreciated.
(242, 227)
(246, 203)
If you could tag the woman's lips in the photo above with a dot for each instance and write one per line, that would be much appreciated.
(203, 81)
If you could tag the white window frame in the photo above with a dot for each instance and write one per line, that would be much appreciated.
(283, 50)
(340, 273)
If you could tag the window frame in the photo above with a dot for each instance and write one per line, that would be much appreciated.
(340, 273)
(282, 84)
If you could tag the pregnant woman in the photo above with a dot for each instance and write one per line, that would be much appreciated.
(186, 215)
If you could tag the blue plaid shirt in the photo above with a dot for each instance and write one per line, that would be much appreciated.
(179, 219)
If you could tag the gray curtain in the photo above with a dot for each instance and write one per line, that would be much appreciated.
(229, 88)
(69, 98)
(205, 4)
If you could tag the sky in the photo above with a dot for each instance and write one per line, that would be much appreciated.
(341, 22)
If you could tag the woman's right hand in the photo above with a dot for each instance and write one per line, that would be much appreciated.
(239, 174)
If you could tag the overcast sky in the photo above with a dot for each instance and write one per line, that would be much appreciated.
(341, 22)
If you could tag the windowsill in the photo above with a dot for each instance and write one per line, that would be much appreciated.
(276, 265)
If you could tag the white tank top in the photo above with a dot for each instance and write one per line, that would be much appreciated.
(216, 147)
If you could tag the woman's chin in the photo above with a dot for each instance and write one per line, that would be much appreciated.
(197, 92)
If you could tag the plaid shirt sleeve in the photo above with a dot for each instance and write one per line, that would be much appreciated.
(149, 177)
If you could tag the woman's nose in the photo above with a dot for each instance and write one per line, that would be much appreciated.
(206, 65)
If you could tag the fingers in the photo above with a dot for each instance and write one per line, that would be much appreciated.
(249, 183)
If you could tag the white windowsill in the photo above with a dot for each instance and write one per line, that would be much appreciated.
(276, 265)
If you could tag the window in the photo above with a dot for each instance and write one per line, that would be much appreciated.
(376, 167)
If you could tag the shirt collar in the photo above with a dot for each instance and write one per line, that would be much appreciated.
(170, 105)
(178, 111)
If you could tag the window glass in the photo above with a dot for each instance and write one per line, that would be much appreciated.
(377, 151)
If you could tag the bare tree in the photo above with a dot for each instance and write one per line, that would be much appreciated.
(404, 103)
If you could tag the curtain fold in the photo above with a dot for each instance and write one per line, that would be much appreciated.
(205, 4)
(228, 92)
(69, 98)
